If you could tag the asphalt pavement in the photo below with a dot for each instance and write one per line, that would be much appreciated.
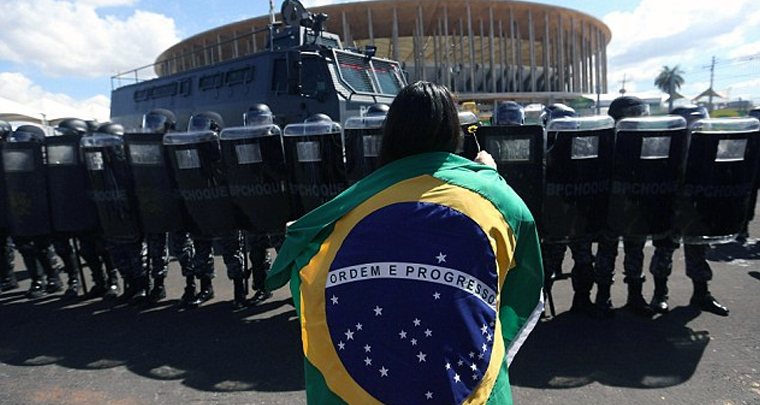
(98, 353)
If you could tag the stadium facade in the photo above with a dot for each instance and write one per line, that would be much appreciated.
(484, 50)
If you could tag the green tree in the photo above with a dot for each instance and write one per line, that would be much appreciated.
(669, 81)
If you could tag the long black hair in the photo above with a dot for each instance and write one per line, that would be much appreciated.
(423, 118)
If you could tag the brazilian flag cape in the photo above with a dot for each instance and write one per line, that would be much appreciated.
(416, 285)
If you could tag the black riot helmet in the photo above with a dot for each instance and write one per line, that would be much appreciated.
(111, 129)
(508, 113)
(74, 126)
(159, 121)
(691, 112)
(556, 110)
(258, 114)
(28, 133)
(92, 126)
(755, 113)
(5, 129)
(627, 107)
(205, 121)
(378, 108)
(319, 117)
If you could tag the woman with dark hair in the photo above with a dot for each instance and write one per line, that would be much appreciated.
(420, 282)
(424, 119)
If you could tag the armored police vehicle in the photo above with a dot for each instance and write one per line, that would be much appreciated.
(303, 71)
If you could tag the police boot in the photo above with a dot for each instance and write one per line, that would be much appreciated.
(636, 300)
(72, 291)
(71, 266)
(54, 283)
(112, 286)
(98, 285)
(206, 293)
(659, 302)
(239, 289)
(130, 289)
(703, 300)
(189, 295)
(158, 292)
(603, 301)
(140, 286)
(259, 297)
(582, 284)
(9, 283)
(35, 290)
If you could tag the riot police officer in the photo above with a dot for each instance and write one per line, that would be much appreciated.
(177, 242)
(230, 243)
(508, 113)
(258, 243)
(607, 248)
(8, 279)
(31, 233)
(91, 241)
(124, 242)
(582, 272)
(695, 255)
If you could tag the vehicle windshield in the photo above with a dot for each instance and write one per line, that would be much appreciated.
(369, 75)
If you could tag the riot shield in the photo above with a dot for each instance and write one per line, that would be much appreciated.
(255, 164)
(111, 185)
(26, 181)
(3, 192)
(363, 137)
(649, 156)
(721, 164)
(71, 208)
(578, 176)
(197, 167)
(160, 207)
(470, 125)
(519, 155)
(316, 172)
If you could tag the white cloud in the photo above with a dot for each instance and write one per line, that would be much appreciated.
(105, 3)
(21, 89)
(64, 38)
(659, 33)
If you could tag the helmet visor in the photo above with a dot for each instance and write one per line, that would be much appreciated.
(253, 118)
(639, 110)
(199, 123)
(154, 122)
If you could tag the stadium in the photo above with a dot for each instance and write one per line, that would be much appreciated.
(484, 50)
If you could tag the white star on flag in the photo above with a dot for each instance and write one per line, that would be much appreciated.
(383, 372)
(334, 300)
(349, 335)
(367, 348)
(417, 322)
(367, 361)
(441, 258)
(428, 332)
(429, 395)
(437, 295)
(421, 356)
(402, 334)
(378, 311)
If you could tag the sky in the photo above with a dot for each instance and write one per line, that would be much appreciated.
(62, 53)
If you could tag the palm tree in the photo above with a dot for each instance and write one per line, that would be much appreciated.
(669, 81)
